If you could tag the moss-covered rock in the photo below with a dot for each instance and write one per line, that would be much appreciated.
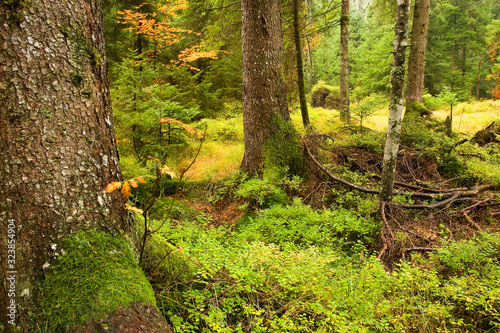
(325, 96)
(94, 274)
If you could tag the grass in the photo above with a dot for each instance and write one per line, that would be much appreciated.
(468, 118)
(222, 152)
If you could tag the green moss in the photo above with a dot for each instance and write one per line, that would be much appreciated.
(94, 274)
(416, 109)
(282, 151)
(14, 10)
(46, 113)
(325, 96)
(76, 79)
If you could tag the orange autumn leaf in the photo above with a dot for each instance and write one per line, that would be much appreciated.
(126, 190)
(141, 180)
(113, 186)
(134, 209)
(133, 183)
(174, 121)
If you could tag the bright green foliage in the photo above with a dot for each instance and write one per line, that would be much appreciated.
(476, 163)
(141, 99)
(93, 274)
(431, 102)
(280, 272)
(364, 109)
(300, 226)
(455, 43)
(262, 193)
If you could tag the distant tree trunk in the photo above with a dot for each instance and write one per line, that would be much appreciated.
(264, 93)
(396, 105)
(478, 77)
(416, 62)
(310, 69)
(300, 64)
(58, 148)
(344, 61)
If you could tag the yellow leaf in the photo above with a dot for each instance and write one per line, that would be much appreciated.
(141, 180)
(134, 209)
(113, 186)
(126, 190)
(133, 183)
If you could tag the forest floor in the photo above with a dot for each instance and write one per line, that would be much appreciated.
(320, 253)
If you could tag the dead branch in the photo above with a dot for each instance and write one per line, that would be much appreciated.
(412, 249)
(471, 221)
(337, 179)
(450, 194)
(475, 205)
(459, 194)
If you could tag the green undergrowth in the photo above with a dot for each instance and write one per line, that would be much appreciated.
(94, 274)
(293, 269)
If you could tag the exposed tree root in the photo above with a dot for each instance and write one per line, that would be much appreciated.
(417, 228)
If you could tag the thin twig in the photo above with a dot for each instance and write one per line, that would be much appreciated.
(179, 184)
(471, 221)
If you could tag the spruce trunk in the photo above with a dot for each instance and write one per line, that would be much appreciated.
(265, 108)
(58, 154)
(416, 62)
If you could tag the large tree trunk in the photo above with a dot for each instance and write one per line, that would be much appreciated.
(344, 61)
(416, 62)
(58, 149)
(265, 108)
(300, 64)
(396, 105)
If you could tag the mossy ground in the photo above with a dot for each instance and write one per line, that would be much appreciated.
(94, 274)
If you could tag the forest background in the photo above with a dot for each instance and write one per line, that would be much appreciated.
(288, 253)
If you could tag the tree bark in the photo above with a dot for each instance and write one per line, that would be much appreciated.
(396, 105)
(264, 92)
(416, 62)
(58, 145)
(344, 61)
(300, 64)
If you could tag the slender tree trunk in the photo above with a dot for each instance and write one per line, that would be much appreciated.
(396, 105)
(310, 69)
(478, 77)
(300, 64)
(416, 62)
(58, 149)
(264, 92)
(344, 61)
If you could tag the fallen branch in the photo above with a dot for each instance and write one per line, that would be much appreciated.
(412, 249)
(337, 179)
(455, 196)
(464, 210)
(471, 221)
(450, 195)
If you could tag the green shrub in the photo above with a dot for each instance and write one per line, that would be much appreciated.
(432, 103)
(303, 227)
(262, 193)
(282, 273)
